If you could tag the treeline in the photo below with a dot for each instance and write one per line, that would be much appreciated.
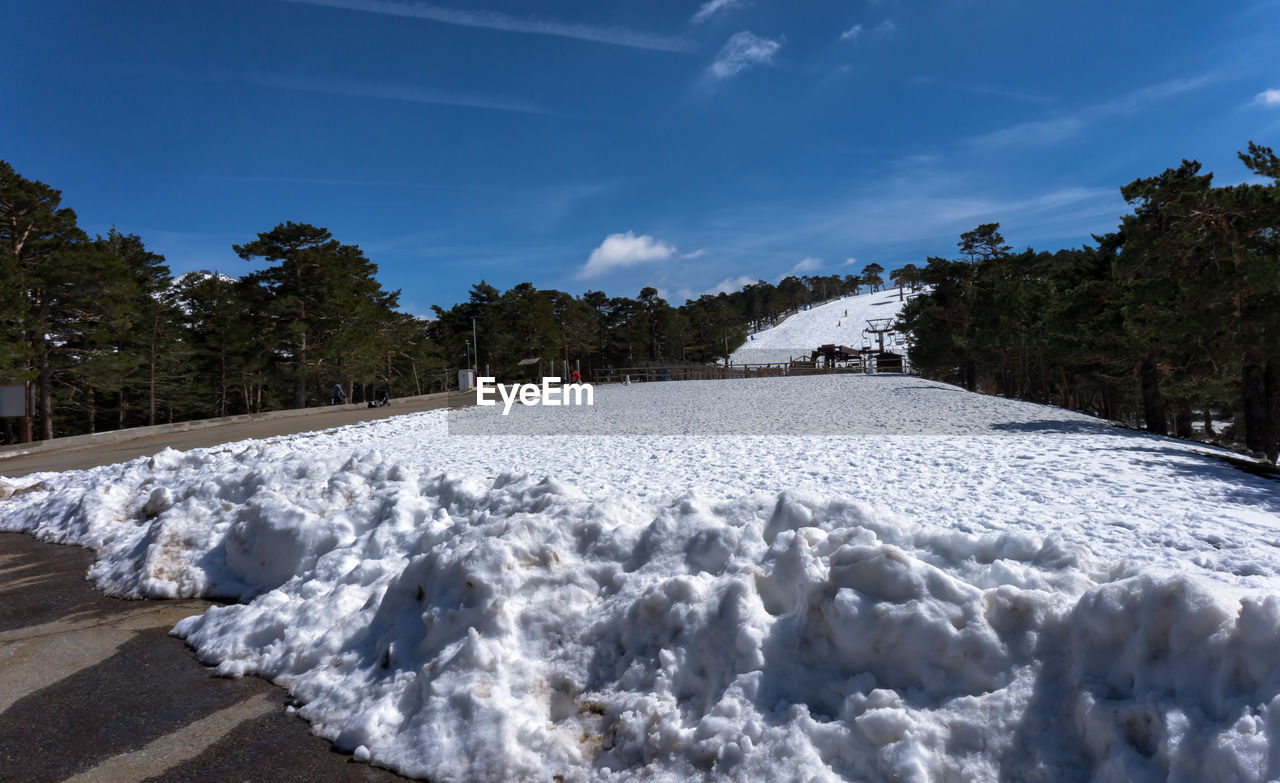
(1169, 322)
(110, 340)
(596, 332)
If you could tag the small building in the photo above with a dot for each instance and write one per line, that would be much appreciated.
(531, 369)
(888, 361)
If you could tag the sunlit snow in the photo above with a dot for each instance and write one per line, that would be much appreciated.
(922, 584)
(840, 321)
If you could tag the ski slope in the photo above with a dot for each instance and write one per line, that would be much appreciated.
(943, 587)
(804, 331)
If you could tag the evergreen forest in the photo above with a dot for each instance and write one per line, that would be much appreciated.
(1171, 323)
(109, 339)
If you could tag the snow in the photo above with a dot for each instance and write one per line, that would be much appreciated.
(822, 578)
(804, 331)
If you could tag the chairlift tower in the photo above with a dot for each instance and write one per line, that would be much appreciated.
(879, 327)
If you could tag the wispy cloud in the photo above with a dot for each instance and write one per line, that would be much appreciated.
(1268, 98)
(858, 32)
(543, 207)
(1006, 92)
(711, 7)
(907, 217)
(1055, 129)
(730, 284)
(806, 265)
(622, 250)
(494, 20)
(725, 286)
(742, 50)
(334, 182)
(393, 92)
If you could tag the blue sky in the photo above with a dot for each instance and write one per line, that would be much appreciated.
(688, 145)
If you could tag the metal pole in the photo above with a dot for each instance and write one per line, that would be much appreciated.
(477, 344)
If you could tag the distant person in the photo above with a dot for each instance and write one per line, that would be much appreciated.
(337, 396)
(385, 399)
(575, 377)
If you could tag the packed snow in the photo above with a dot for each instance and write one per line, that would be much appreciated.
(840, 321)
(942, 587)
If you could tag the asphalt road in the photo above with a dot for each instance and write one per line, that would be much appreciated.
(81, 457)
(94, 690)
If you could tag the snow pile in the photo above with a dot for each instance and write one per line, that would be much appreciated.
(1018, 597)
(840, 322)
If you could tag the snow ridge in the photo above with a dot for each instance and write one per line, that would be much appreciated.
(864, 626)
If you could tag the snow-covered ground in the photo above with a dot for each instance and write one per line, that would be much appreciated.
(948, 587)
(840, 321)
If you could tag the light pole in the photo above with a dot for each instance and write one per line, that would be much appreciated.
(475, 342)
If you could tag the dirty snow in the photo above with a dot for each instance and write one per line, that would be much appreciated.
(945, 587)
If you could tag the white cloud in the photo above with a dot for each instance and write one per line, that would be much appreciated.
(730, 284)
(623, 250)
(907, 217)
(1049, 131)
(806, 265)
(886, 27)
(699, 253)
(386, 91)
(493, 20)
(852, 33)
(1056, 129)
(850, 261)
(710, 7)
(1268, 98)
(742, 50)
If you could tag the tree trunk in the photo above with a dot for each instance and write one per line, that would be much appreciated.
(300, 377)
(46, 395)
(151, 375)
(1271, 373)
(970, 374)
(44, 366)
(1152, 404)
(222, 385)
(1182, 422)
(1257, 410)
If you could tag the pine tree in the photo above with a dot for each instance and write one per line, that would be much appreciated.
(39, 242)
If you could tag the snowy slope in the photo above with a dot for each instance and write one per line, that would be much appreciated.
(804, 331)
(950, 587)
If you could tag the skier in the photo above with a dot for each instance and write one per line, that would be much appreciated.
(337, 395)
